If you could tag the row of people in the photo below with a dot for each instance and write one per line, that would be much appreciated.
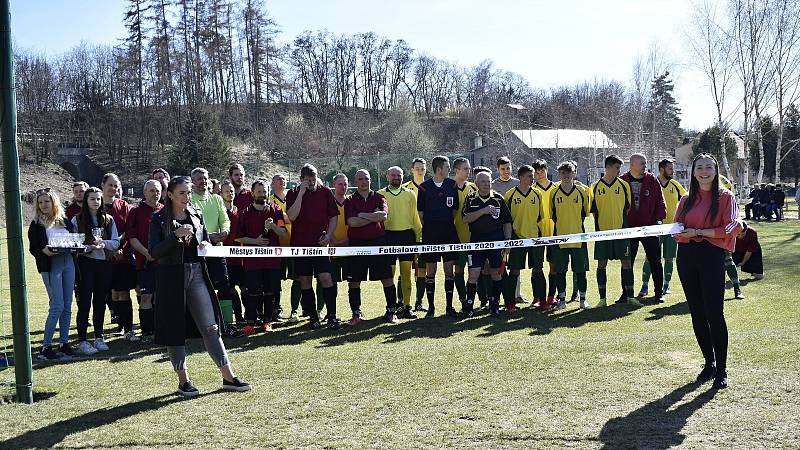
(439, 210)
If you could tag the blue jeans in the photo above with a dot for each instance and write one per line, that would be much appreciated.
(60, 284)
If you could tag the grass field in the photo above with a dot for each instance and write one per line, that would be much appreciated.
(612, 377)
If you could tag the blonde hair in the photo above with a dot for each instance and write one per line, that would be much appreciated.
(57, 218)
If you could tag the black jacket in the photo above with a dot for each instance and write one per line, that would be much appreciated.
(173, 322)
(37, 237)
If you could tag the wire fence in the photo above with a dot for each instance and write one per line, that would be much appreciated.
(7, 382)
(376, 164)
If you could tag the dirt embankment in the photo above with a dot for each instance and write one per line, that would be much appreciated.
(34, 177)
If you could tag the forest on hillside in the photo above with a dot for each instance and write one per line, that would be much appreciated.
(192, 76)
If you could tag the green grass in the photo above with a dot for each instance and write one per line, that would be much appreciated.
(616, 377)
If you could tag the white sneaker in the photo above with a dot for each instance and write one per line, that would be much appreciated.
(585, 304)
(294, 318)
(131, 336)
(100, 344)
(86, 348)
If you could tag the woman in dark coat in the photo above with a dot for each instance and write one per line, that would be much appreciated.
(190, 308)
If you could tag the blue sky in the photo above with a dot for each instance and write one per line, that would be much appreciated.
(549, 42)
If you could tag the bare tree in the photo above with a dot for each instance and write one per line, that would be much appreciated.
(711, 46)
(786, 34)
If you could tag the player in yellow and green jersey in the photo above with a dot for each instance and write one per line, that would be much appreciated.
(527, 208)
(418, 170)
(611, 200)
(545, 188)
(569, 206)
(461, 171)
(673, 191)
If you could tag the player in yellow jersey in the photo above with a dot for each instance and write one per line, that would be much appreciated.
(418, 170)
(402, 228)
(611, 200)
(569, 206)
(673, 191)
(527, 208)
(278, 196)
(461, 170)
(338, 264)
(545, 188)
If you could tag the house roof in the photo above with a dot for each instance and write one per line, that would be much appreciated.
(740, 149)
(564, 139)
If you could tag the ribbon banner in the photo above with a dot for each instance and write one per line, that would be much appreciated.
(300, 252)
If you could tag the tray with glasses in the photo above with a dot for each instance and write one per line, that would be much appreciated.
(67, 243)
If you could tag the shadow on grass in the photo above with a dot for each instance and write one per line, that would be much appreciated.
(677, 309)
(51, 435)
(657, 424)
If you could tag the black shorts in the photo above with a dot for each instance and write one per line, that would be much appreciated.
(123, 277)
(439, 233)
(218, 271)
(236, 275)
(378, 266)
(478, 258)
(311, 266)
(146, 280)
(262, 281)
(401, 238)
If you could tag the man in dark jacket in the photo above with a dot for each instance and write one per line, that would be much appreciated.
(751, 208)
(648, 208)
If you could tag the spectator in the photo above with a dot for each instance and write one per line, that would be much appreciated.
(763, 202)
(748, 255)
(57, 270)
(101, 237)
(74, 208)
(751, 208)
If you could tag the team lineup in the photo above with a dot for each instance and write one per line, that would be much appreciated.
(462, 224)
(233, 247)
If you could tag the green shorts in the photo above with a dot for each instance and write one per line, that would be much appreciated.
(579, 257)
(669, 248)
(338, 271)
(533, 255)
(461, 261)
(616, 249)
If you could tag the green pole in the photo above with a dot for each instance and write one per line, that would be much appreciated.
(16, 253)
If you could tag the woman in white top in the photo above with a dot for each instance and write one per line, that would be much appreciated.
(101, 238)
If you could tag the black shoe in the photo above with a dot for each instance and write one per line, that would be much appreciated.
(573, 297)
(232, 330)
(708, 372)
(622, 298)
(484, 306)
(658, 299)
(114, 319)
(188, 390)
(419, 307)
(451, 312)
(431, 312)
(303, 314)
(467, 312)
(66, 350)
(494, 310)
(720, 380)
(315, 325)
(235, 385)
(48, 354)
(334, 323)
(406, 313)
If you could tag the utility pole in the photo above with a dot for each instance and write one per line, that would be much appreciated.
(23, 371)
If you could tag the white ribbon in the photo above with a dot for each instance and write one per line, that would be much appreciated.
(299, 252)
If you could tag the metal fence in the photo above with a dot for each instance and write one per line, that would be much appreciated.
(329, 166)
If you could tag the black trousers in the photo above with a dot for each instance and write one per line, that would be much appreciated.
(95, 284)
(701, 267)
(652, 249)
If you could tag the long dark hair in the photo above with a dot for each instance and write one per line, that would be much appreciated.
(85, 218)
(174, 182)
(694, 189)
